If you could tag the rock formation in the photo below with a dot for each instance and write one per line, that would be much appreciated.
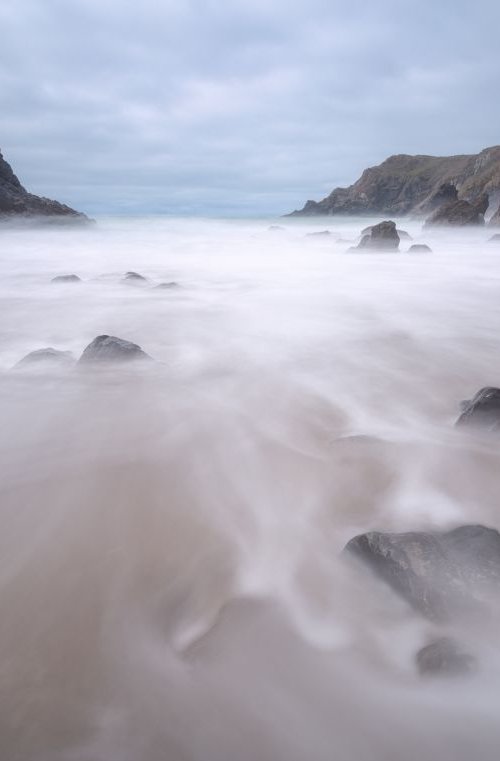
(381, 237)
(416, 185)
(460, 213)
(483, 410)
(15, 201)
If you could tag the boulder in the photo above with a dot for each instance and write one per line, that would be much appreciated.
(112, 349)
(401, 233)
(444, 657)
(419, 248)
(381, 237)
(66, 279)
(47, 356)
(483, 410)
(460, 213)
(439, 574)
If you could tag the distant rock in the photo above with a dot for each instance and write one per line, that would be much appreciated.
(460, 213)
(66, 279)
(320, 233)
(165, 286)
(275, 228)
(439, 574)
(483, 410)
(419, 248)
(494, 238)
(16, 202)
(112, 349)
(134, 277)
(380, 237)
(445, 657)
(415, 185)
(47, 356)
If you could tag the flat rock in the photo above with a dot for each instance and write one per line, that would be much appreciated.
(46, 356)
(419, 248)
(66, 279)
(483, 410)
(112, 349)
(439, 574)
(168, 286)
(444, 657)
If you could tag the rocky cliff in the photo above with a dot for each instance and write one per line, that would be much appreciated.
(409, 185)
(15, 201)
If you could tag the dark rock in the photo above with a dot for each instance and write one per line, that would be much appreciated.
(419, 248)
(163, 286)
(483, 410)
(112, 349)
(135, 277)
(460, 213)
(46, 356)
(66, 279)
(438, 574)
(401, 233)
(444, 657)
(415, 185)
(16, 202)
(321, 233)
(495, 238)
(381, 237)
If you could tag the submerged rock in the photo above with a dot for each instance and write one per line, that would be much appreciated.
(494, 238)
(320, 233)
(48, 356)
(419, 248)
(66, 279)
(444, 657)
(134, 277)
(382, 237)
(163, 286)
(483, 410)
(112, 349)
(274, 228)
(438, 574)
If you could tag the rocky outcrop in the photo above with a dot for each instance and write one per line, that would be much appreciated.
(381, 237)
(439, 574)
(460, 213)
(15, 201)
(110, 349)
(66, 279)
(482, 411)
(416, 185)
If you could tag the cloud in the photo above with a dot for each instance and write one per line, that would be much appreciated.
(234, 106)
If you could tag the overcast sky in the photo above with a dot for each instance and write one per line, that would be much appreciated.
(237, 106)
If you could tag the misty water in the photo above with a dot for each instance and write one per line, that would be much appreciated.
(171, 578)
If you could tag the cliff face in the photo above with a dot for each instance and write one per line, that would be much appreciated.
(15, 201)
(408, 185)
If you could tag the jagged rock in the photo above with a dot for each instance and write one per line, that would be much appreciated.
(112, 349)
(405, 184)
(419, 248)
(483, 410)
(15, 201)
(66, 279)
(460, 213)
(46, 356)
(494, 238)
(163, 286)
(444, 657)
(134, 277)
(438, 574)
(321, 233)
(381, 237)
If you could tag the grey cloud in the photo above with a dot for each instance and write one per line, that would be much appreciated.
(220, 107)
